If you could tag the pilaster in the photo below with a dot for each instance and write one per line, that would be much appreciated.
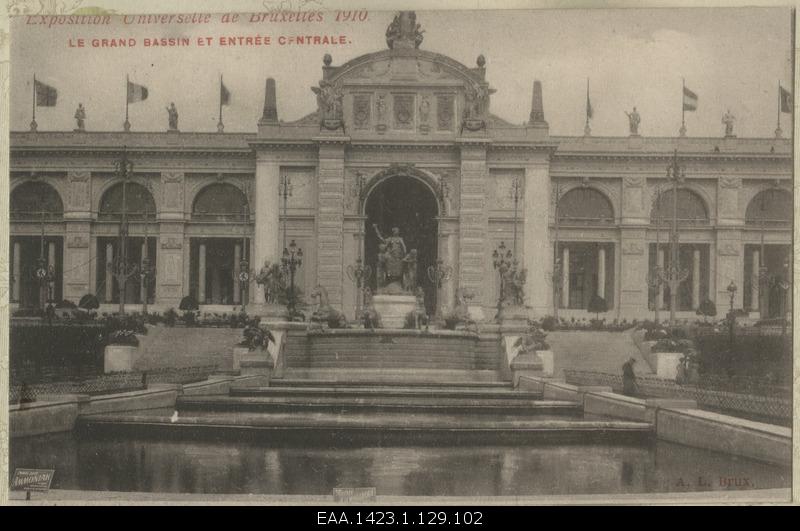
(77, 266)
(633, 272)
(473, 230)
(170, 256)
(330, 221)
(538, 249)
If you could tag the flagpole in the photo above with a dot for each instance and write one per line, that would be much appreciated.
(220, 127)
(779, 106)
(683, 107)
(127, 124)
(33, 121)
(586, 129)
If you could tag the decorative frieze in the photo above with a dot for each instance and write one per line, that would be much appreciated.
(445, 104)
(362, 107)
(630, 247)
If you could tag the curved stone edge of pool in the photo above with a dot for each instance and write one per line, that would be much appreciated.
(678, 421)
(782, 496)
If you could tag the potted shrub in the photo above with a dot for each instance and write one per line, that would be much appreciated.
(597, 305)
(122, 349)
(189, 306)
(707, 309)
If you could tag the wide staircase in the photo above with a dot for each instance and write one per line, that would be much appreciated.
(410, 356)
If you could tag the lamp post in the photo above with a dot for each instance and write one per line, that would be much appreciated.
(503, 261)
(120, 268)
(286, 193)
(731, 316)
(438, 274)
(655, 279)
(291, 261)
(359, 274)
(244, 274)
(44, 273)
(514, 192)
(148, 272)
(672, 275)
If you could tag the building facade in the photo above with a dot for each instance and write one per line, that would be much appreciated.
(405, 138)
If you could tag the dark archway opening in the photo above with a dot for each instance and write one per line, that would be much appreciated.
(408, 204)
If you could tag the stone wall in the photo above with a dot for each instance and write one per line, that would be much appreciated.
(181, 347)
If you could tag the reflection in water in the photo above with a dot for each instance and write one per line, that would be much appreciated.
(124, 464)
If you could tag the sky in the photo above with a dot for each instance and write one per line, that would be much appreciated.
(733, 58)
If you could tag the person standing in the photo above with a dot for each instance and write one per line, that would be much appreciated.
(629, 386)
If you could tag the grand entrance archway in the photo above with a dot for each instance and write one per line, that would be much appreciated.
(410, 205)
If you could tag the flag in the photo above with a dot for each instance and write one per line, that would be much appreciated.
(786, 100)
(224, 94)
(136, 92)
(46, 95)
(589, 110)
(689, 100)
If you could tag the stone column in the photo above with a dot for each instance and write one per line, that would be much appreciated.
(538, 249)
(755, 284)
(109, 296)
(266, 238)
(237, 257)
(201, 277)
(695, 279)
(601, 272)
(450, 285)
(330, 221)
(565, 277)
(17, 272)
(660, 293)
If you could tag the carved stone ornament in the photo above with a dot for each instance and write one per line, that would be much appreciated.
(634, 182)
(730, 182)
(79, 176)
(361, 110)
(171, 243)
(632, 248)
(444, 112)
(172, 176)
(729, 249)
(403, 111)
(77, 242)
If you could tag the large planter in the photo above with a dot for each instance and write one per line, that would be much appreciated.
(526, 364)
(667, 364)
(547, 362)
(119, 358)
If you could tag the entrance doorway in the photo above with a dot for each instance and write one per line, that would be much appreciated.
(408, 204)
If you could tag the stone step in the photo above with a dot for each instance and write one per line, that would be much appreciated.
(290, 382)
(346, 405)
(335, 429)
(394, 375)
(390, 391)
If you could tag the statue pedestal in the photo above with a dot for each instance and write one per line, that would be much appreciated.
(513, 315)
(393, 308)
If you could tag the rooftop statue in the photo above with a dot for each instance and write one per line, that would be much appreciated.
(728, 119)
(633, 121)
(404, 31)
(172, 113)
(80, 117)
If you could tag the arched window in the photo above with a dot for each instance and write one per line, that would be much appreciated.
(29, 200)
(691, 208)
(770, 208)
(585, 205)
(138, 200)
(220, 202)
